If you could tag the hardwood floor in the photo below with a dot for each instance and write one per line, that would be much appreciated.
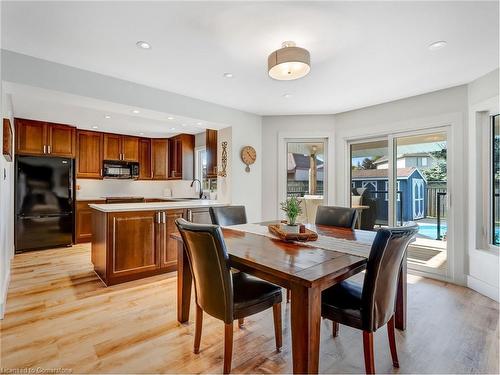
(59, 315)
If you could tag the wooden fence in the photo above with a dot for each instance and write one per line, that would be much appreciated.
(431, 199)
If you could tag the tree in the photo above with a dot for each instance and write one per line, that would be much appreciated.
(439, 171)
(368, 163)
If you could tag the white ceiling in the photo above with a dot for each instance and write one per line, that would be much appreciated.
(362, 53)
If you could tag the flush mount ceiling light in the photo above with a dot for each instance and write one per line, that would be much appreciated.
(143, 45)
(288, 63)
(437, 45)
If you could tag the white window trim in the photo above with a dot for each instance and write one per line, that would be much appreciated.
(197, 161)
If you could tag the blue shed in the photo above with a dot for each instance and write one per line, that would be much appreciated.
(411, 197)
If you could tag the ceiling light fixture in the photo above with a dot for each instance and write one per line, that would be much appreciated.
(107, 116)
(288, 63)
(141, 133)
(228, 75)
(199, 123)
(437, 45)
(170, 118)
(172, 128)
(136, 111)
(143, 45)
(287, 96)
(95, 127)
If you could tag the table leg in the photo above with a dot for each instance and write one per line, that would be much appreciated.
(401, 297)
(306, 320)
(184, 281)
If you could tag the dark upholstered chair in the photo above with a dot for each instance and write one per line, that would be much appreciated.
(228, 215)
(224, 295)
(343, 217)
(371, 305)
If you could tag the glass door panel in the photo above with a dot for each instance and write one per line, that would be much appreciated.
(370, 183)
(422, 183)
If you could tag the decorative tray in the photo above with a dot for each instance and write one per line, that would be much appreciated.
(308, 235)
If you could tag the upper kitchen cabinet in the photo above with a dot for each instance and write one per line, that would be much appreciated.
(121, 147)
(159, 159)
(181, 157)
(89, 154)
(145, 170)
(43, 138)
(211, 149)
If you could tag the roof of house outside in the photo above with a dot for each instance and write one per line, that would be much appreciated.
(299, 161)
(384, 159)
(367, 174)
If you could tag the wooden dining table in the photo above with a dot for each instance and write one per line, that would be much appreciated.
(305, 270)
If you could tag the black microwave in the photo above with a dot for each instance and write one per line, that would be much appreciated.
(120, 169)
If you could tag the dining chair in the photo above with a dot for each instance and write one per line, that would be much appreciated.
(228, 215)
(219, 292)
(371, 305)
(334, 216)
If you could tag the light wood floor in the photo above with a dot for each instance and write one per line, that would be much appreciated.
(59, 315)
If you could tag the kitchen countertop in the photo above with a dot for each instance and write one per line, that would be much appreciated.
(155, 206)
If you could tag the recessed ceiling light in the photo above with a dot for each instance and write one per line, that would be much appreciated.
(170, 118)
(143, 45)
(107, 116)
(141, 133)
(287, 96)
(172, 128)
(136, 111)
(95, 127)
(199, 123)
(228, 75)
(437, 45)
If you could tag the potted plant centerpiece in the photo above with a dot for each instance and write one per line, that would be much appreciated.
(292, 209)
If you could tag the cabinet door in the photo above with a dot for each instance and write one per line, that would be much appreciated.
(61, 140)
(112, 147)
(159, 158)
(89, 154)
(169, 245)
(31, 137)
(174, 159)
(130, 148)
(83, 222)
(134, 241)
(211, 148)
(186, 156)
(145, 159)
(198, 215)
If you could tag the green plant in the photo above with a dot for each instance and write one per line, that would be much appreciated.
(292, 209)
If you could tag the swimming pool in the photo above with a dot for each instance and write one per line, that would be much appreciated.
(430, 230)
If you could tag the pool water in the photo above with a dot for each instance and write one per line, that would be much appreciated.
(430, 230)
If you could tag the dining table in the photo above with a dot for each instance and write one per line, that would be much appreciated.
(306, 269)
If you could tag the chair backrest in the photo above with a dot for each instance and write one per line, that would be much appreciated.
(382, 272)
(228, 215)
(344, 217)
(209, 264)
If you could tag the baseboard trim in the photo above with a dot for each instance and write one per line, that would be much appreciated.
(484, 288)
(5, 289)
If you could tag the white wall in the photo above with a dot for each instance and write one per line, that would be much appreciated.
(483, 260)
(274, 129)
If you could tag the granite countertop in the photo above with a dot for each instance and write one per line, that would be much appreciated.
(156, 206)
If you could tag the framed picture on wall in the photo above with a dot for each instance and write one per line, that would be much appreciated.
(7, 139)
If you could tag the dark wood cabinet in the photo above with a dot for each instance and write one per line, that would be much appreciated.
(181, 157)
(121, 147)
(89, 154)
(168, 249)
(145, 171)
(211, 150)
(159, 159)
(83, 221)
(43, 138)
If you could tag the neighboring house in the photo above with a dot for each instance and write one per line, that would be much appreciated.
(298, 174)
(411, 185)
(421, 160)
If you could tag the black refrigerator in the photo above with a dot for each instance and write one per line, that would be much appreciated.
(44, 202)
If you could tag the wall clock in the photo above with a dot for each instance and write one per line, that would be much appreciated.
(248, 156)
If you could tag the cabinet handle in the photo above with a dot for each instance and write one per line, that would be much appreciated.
(164, 217)
(49, 148)
(157, 217)
(190, 215)
(101, 172)
(44, 149)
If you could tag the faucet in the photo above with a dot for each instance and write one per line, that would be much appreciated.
(201, 190)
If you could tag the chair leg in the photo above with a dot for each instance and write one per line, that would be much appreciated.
(288, 295)
(335, 329)
(241, 322)
(197, 329)
(392, 342)
(368, 349)
(228, 347)
(278, 334)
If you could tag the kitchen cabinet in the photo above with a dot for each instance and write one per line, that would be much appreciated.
(40, 138)
(181, 157)
(211, 152)
(121, 147)
(145, 170)
(159, 158)
(83, 221)
(168, 247)
(89, 154)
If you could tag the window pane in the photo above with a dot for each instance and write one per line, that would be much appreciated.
(305, 169)
(495, 149)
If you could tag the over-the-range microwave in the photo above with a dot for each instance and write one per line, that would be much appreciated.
(120, 169)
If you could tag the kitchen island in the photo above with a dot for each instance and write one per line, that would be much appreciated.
(132, 240)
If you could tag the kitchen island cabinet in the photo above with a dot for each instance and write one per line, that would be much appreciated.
(133, 241)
